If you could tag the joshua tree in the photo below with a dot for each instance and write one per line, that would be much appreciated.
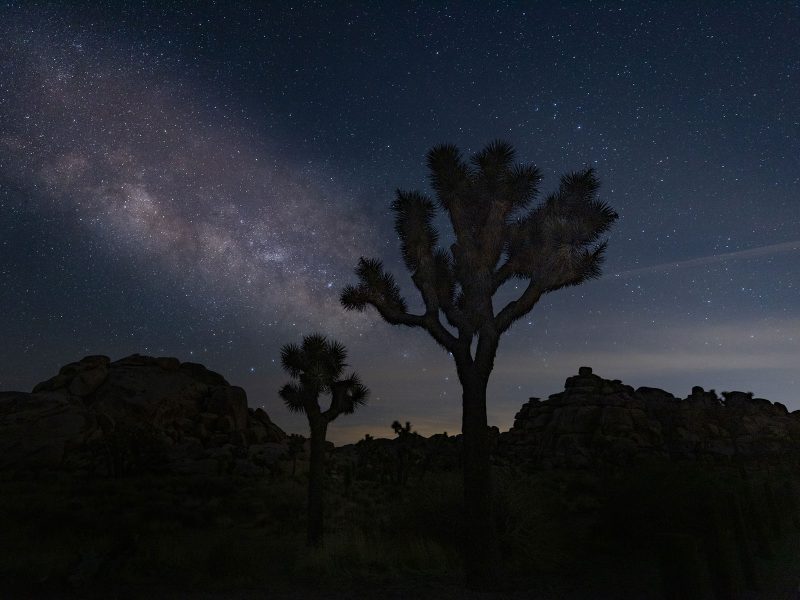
(497, 238)
(316, 367)
(401, 431)
(404, 452)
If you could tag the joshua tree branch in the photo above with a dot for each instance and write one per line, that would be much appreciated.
(455, 317)
(429, 321)
(395, 316)
(423, 279)
(433, 304)
(330, 414)
(503, 274)
(486, 349)
(519, 307)
(434, 326)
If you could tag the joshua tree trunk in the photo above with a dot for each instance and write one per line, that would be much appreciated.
(316, 475)
(481, 548)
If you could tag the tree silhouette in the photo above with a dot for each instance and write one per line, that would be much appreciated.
(316, 368)
(401, 430)
(497, 238)
(405, 454)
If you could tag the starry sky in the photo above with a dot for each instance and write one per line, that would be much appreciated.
(199, 179)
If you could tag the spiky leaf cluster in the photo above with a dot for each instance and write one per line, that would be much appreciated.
(414, 214)
(376, 287)
(348, 395)
(316, 367)
(498, 235)
(559, 241)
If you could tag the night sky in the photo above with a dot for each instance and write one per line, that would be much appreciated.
(199, 179)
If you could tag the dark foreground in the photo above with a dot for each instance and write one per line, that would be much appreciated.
(661, 530)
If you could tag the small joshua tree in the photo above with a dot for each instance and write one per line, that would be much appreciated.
(316, 368)
(405, 453)
(401, 431)
(498, 237)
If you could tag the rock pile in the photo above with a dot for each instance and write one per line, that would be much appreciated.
(136, 414)
(596, 421)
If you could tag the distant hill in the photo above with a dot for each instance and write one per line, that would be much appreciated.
(139, 413)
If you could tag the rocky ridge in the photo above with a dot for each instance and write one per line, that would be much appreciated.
(147, 414)
(597, 421)
(139, 413)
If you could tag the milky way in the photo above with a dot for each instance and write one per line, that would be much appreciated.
(200, 180)
(139, 165)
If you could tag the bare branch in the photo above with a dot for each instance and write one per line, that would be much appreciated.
(504, 273)
(518, 308)
(439, 333)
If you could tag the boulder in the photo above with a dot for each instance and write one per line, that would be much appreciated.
(139, 412)
(596, 422)
(88, 381)
(36, 430)
(230, 401)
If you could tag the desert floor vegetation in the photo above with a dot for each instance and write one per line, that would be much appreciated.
(661, 530)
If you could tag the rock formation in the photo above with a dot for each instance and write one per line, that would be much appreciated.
(596, 421)
(136, 414)
(146, 414)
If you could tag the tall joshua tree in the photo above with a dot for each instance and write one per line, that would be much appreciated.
(316, 368)
(499, 236)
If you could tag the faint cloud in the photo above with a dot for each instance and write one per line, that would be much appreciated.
(761, 251)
